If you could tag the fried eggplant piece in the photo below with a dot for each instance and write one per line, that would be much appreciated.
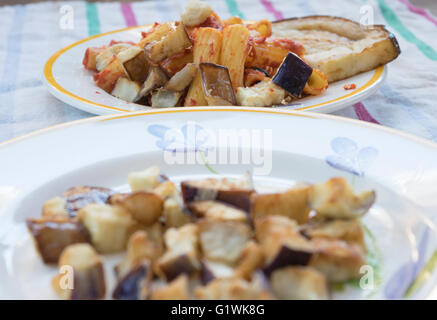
(52, 236)
(176, 63)
(299, 283)
(178, 289)
(215, 270)
(182, 79)
(155, 79)
(135, 285)
(88, 275)
(251, 259)
(135, 63)
(80, 196)
(291, 203)
(335, 199)
(215, 210)
(217, 85)
(126, 89)
(163, 98)
(174, 215)
(55, 208)
(145, 180)
(104, 58)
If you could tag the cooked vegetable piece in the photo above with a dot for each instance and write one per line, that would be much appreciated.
(145, 180)
(234, 52)
(53, 235)
(217, 85)
(175, 41)
(157, 33)
(299, 283)
(182, 79)
(182, 254)
(317, 83)
(232, 20)
(350, 231)
(135, 285)
(253, 76)
(336, 199)
(135, 63)
(215, 270)
(104, 58)
(206, 48)
(126, 89)
(145, 207)
(178, 289)
(215, 210)
(155, 79)
(260, 28)
(175, 216)
(293, 74)
(55, 208)
(163, 98)
(196, 12)
(177, 62)
(139, 249)
(220, 190)
(88, 276)
(107, 78)
(337, 260)
(223, 241)
(109, 226)
(166, 189)
(262, 94)
(291, 203)
(80, 196)
(89, 59)
(231, 289)
(252, 258)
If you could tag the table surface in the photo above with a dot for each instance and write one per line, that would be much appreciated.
(30, 34)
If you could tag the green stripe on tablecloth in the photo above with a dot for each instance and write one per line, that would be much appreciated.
(233, 9)
(92, 17)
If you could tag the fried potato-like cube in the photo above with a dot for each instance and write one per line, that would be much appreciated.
(223, 241)
(174, 215)
(104, 58)
(88, 278)
(126, 89)
(336, 199)
(262, 94)
(139, 249)
(182, 255)
(107, 78)
(109, 226)
(53, 235)
(196, 12)
(156, 34)
(215, 210)
(178, 289)
(89, 59)
(135, 285)
(232, 20)
(166, 189)
(252, 258)
(231, 289)
(145, 207)
(291, 203)
(299, 283)
(55, 208)
(145, 180)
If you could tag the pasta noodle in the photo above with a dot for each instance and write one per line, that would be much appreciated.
(317, 83)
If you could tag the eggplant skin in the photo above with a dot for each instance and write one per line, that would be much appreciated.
(292, 74)
(130, 287)
(89, 284)
(53, 236)
(78, 197)
(287, 256)
(182, 264)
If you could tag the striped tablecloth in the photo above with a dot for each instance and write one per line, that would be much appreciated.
(29, 34)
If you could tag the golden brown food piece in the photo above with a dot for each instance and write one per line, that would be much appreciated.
(89, 59)
(52, 236)
(252, 258)
(217, 85)
(145, 180)
(80, 196)
(177, 62)
(177, 289)
(182, 79)
(135, 63)
(163, 98)
(215, 210)
(55, 208)
(155, 79)
(174, 215)
(87, 277)
(107, 78)
(135, 285)
(291, 203)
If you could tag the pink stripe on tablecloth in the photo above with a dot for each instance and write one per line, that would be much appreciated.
(128, 14)
(363, 114)
(420, 11)
(270, 8)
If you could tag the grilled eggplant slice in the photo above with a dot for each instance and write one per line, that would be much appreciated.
(218, 211)
(223, 241)
(175, 41)
(145, 207)
(80, 196)
(155, 79)
(55, 208)
(291, 203)
(109, 226)
(145, 180)
(293, 74)
(176, 63)
(178, 289)
(135, 285)
(220, 190)
(52, 236)
(126, 89)
(182, 255)
(135, 63)
(262, 94)
(106, 56)
(88, 276)
(335, 199)
(182, 79)
(299, 283)
(217, 85)
(162, 98)
(215, 270)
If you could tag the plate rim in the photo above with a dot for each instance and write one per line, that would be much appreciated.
(68, 97)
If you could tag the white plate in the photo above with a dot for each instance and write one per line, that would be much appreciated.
(310, 147)
(68, 81)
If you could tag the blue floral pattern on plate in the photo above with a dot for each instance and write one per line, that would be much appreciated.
(348, 157)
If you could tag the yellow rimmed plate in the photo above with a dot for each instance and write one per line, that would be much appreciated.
(68, 81)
